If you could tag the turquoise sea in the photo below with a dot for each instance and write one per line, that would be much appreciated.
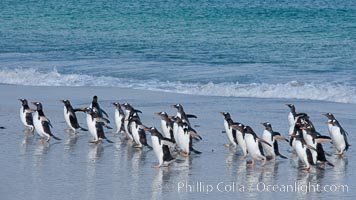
(280, 49)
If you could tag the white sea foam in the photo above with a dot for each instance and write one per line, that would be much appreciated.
(294, 89)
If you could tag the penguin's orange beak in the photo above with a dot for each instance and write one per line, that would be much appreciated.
(221, 113)
(329, 122)
(61, 100)
(34, 102)
(147, 129)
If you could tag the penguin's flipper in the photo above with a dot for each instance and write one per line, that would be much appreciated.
(103, 111)
(276, 150)
(191, 116)
(329, 163)
(56, 138)
(83, 129)
(168, 142)
(279, 137)
(78, 110)
(195, 151)
(264, 141)
(320, 139)
(102, 119)
(109, 140)
(108, 127)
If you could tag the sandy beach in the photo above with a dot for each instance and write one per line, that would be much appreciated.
(73, 168)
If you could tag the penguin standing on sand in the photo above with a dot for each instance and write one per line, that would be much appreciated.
(137, 131)
(119, 118)
(254, 145)
(338, 135)
(185, 137)
(26, 115)
(160, 146)
(181, 113)
(95, 126)
(271, 137)
(303, 150)
(71, 118)
(240, 138)
(129, 111)
(166, 125)
(230, 132)
(42, 124)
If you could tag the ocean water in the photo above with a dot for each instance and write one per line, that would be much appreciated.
(279, 49)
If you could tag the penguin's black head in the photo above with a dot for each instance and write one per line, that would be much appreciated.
(95, 99)
(177, 106)
(267, 125)
(24, 102)
(38, 105)
(226, 115)
(152, 130)
(291, 106)
(161, 114)
(329, 116)
(66, 102)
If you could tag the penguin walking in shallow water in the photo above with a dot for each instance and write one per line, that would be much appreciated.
(271, 137)
(71, 118)
(138, 132)
(129, 111)
(253, 144)
(119, 118)
(303, 150)
(230, 132)
(185, 137)
(26, 115)
(160, 146)
(95, 125)
(338, 135)
(166, 125)
(240, 138)
(96, 107)
(42, 124)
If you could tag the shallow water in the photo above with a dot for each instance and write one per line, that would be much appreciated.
(73, 168)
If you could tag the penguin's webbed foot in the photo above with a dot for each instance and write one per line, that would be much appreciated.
(227, 144)
(156, 166)
(185, 154)
(67, 130)
(41, 140)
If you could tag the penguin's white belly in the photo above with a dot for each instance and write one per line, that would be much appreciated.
(23, 116)
(338, 139)
(229, 133)
(175, 132)
(66, 117)
(91, 127)
(291, 119)
(157, 148)
(135, 134)
(38, 125)
(241, 142)
(268, 151)
(301, 152)
(185, 142)
(252, 147)
(118, 118)
(165, 130)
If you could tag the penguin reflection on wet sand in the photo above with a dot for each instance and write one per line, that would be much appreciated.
(71, 118)
(161, 146)
(338, 134)
(271, 137)
(95, 126)
(42, 124)
(230, 132)
(26, 115)
(253, 144)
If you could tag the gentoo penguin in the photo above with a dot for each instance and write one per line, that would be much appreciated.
(254, 145)
(26, 115)
(230, 132)
(338, 137)
(96, 107)
(311, 138)
(128, 112)
(137, 131)
(292, 114)
(185, 137)
(240, 138)
(330, 117)
(271, 137)
(303, 150)
(181, 113)
(70, 117)
(166, 125)
(42, 124)
(119, 118)
(160, 146)
(95, 125)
